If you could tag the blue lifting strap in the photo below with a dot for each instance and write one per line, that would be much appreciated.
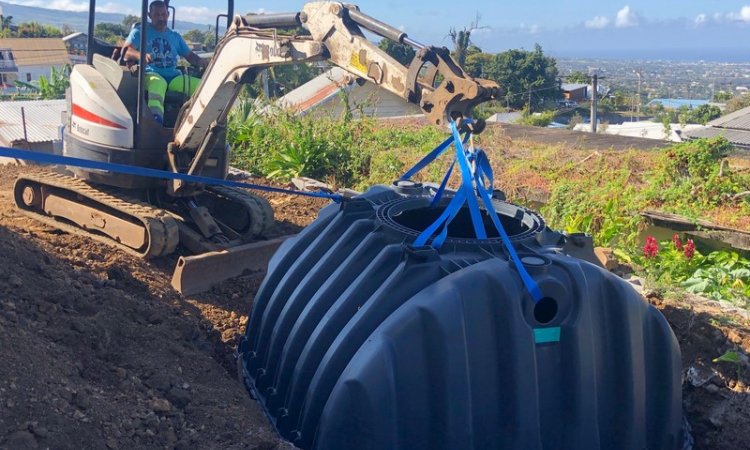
(46, 158)
(479, 181)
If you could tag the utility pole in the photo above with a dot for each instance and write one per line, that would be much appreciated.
(639, 94)
(264, 83)
(594, 103)
(529, 98)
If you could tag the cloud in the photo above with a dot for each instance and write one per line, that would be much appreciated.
(197, 14)
(700, 19)
(531, 29)
(626, 18)
(745, 14)
(481, 31)
(597, 22)
(75, 6)
(742, 16)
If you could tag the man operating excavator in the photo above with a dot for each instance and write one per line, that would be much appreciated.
(164, 46)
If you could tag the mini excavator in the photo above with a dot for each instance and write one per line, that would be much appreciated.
(108, 120)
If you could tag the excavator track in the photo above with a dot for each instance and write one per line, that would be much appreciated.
(259, 213)
(101, 213)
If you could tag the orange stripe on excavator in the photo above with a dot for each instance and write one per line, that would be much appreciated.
(91, 117)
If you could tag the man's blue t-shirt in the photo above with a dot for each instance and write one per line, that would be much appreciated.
(164, 46)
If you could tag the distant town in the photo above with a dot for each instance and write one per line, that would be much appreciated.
(666, 79)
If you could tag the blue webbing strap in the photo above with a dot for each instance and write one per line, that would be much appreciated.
(465, 194)
(467, 177)
(430, 157)
(45, 158)
(484, 169)
(450, 212)
(441, 189)
(529, 282)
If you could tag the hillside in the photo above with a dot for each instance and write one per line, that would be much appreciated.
(77, 20)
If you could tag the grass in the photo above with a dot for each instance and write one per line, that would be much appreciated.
(599, 193)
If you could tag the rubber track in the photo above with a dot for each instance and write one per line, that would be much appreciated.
(261, 211)
(162, 229)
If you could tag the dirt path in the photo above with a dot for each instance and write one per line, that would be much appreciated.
(99, 352)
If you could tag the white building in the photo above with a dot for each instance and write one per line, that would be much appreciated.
(26, 59)
(644, 129)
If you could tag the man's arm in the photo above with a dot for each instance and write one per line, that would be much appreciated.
(132, 43)
(196, 60)
(133, 55)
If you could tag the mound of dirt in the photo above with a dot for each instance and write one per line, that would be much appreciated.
(98, 351)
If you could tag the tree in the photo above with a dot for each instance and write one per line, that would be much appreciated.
(704, 114)
(462, 41)
(52, 88)
(737, 103)
(722, 97)
(112, 33)
(67, 30)
(6, 22)
(204, 38)
(523, 74)
(284, 79)
(35, 29)
(129, 21)
(577, 77)
(476, 60)
(400, 52)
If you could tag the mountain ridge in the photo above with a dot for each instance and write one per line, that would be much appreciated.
(76, 20)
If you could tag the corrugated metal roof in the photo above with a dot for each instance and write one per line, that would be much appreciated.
(736, 137)
(73, 36)
(317, 91)
(43, 117)
(573, 86)
(37, 51)
(738, 120)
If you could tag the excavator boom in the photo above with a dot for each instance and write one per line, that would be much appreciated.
(252, 43)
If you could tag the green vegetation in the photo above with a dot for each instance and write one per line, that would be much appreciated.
(578, 77)
(700, 115)
(602, 197)
(48, 89)
(400, 52)
(537, 119)
(738, 102)
(205, 38)
(342, 151)
(526, 77)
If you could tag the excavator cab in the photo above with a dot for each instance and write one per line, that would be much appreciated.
(121, 128)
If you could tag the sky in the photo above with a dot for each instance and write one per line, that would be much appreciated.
(582, 24)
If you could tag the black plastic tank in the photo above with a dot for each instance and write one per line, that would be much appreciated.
(358, 340)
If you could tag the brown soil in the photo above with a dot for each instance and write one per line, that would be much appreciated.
(98, 351)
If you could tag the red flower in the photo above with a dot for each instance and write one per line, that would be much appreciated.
(689, 249)
(677, 242)
(651, 248)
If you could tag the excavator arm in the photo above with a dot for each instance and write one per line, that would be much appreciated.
(433, 80)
